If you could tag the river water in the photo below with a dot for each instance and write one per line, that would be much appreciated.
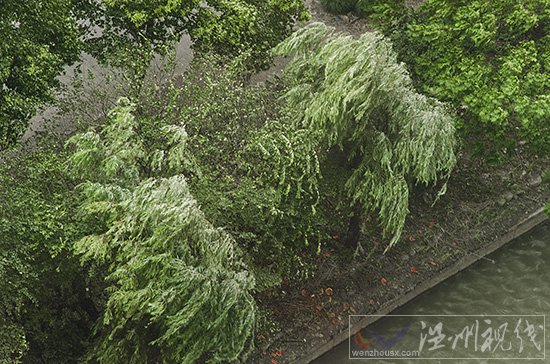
(496, 293)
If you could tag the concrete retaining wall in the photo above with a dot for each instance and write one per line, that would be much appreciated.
(521, 228)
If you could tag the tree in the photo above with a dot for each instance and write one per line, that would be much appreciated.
(352, 94)
(180, 290)
(256, 178)
(38, 39)
(489, 58)
(222, 26)
(43, 287)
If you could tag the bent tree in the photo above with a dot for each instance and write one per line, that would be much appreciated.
(353, 94)
(179, 289)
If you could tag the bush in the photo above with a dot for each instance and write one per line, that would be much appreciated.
(339, 6)
(382, 13)
(381, 7)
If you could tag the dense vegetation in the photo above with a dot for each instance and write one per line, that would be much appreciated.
(44, 289)
(491, 60)
(380, 12)
(225, 27)
(180, 289)
(40, 37)
(488, 58)
(146, 236)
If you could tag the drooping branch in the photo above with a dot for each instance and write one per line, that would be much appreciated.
(357, 95)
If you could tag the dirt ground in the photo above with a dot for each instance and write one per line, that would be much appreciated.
(481, 204)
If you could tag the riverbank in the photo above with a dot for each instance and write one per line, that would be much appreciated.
(514, 279)
(485, 207)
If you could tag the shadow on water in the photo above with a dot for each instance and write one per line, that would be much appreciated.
(517, 283)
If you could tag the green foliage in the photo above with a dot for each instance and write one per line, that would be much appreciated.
(490, 59)
(247, 170)
(37, 39)
(250, 171)
(381, 13)
(180, 290)
(339, 6)
(257, 178)
(226, 27)
(368, 7)
(353, 94)
(40, 37)
(43, 291)
(12, 342)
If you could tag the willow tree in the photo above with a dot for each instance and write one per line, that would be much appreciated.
(179, 291)
(353, 94)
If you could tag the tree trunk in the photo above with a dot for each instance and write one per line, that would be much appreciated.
(354, 228)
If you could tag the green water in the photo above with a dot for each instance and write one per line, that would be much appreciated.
(515, 280)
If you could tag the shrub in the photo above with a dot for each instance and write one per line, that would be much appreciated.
(381, 13)
(369, 7)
